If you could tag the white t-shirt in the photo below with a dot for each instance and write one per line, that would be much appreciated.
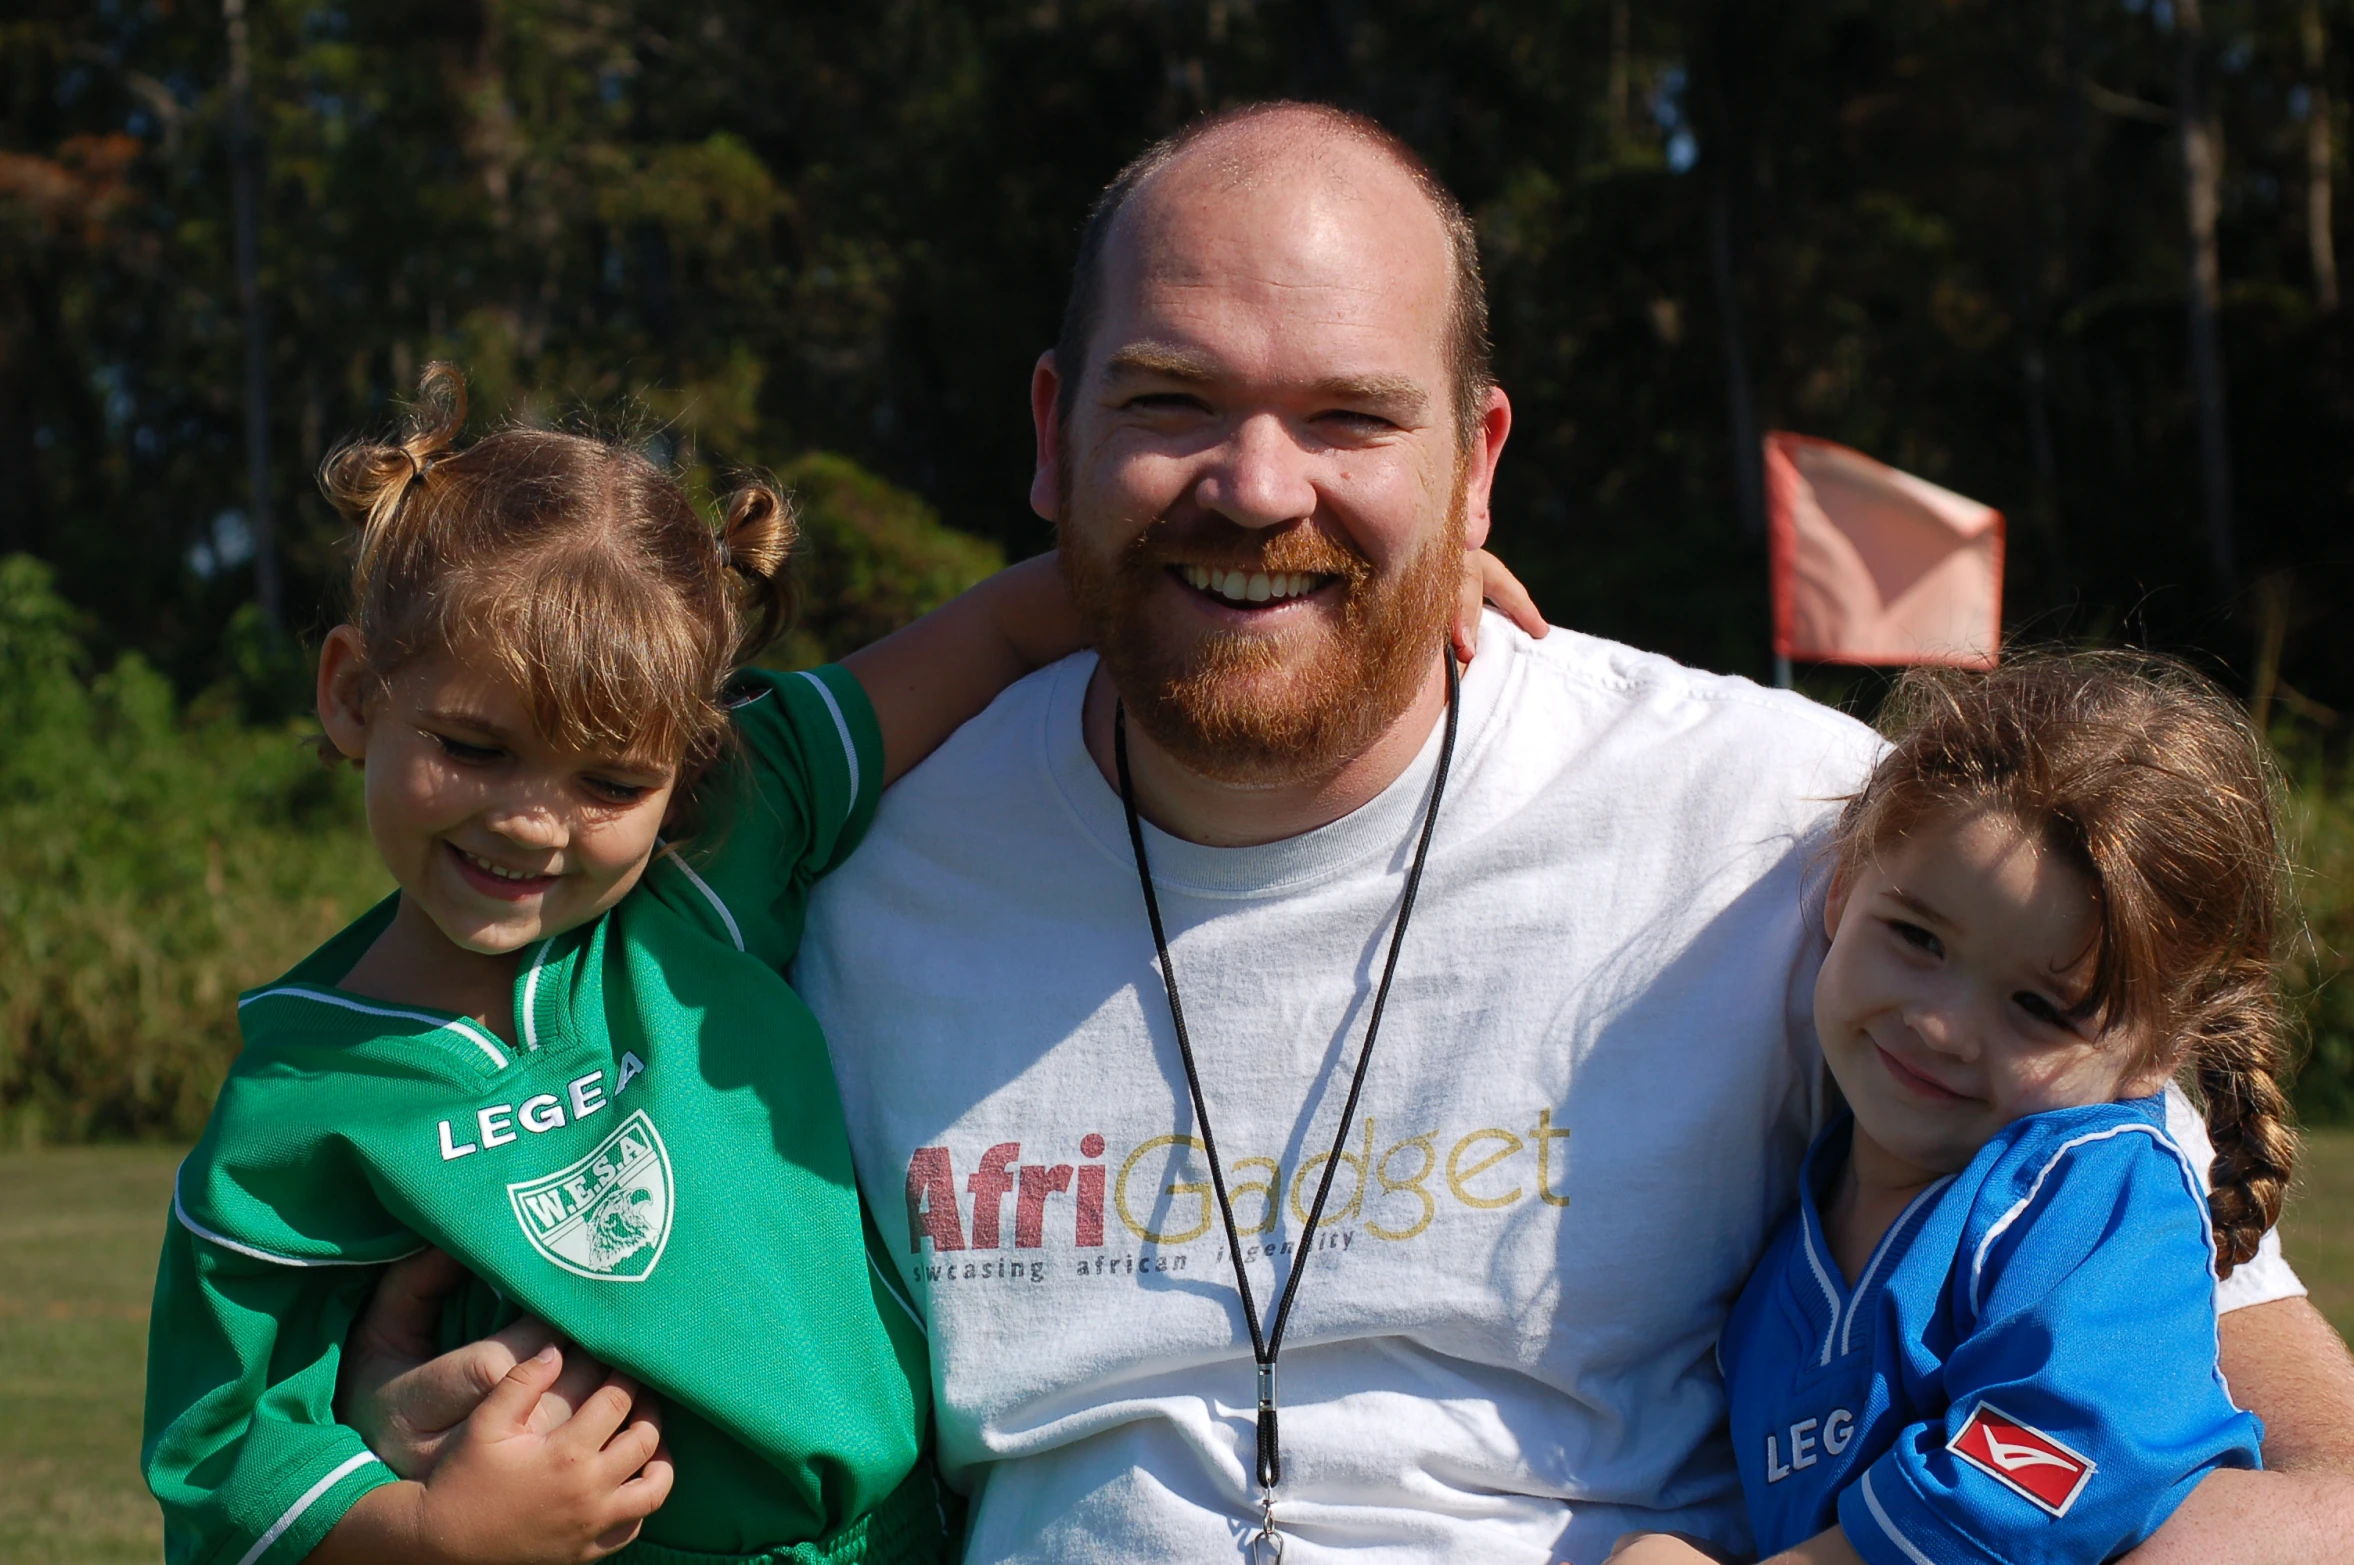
(1584, 1113)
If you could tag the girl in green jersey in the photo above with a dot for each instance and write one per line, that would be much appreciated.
(562, 1051)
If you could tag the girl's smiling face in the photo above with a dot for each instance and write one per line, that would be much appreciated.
(498, 835)
(1944, 1004)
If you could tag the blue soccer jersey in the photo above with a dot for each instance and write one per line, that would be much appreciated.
(2024, 1370)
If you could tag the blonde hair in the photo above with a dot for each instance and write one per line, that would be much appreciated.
(2151, 782)
(576, 566)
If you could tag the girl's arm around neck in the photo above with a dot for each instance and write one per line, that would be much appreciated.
(928, 679)
(932, 676)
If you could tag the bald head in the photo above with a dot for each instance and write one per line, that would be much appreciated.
(1290, 175)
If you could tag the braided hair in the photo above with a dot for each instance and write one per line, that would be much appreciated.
(2151, 782)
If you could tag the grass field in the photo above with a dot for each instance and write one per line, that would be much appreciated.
(81, 1225)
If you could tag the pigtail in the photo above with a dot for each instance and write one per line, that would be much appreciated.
(2237, 1060)
(366, 481)
(577, 566)
(2255, 1152)
(756, 538)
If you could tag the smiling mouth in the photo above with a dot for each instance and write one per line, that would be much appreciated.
(496, 879)
(1917, 1083)
(1250, 589)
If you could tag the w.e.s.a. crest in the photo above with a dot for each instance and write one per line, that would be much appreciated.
(606, 1216)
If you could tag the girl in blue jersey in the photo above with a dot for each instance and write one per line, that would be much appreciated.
(1988, 1331)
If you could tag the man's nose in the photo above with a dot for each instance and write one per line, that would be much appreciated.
(1259, 477)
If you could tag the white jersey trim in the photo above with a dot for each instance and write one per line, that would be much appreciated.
(180, 1214)
(891, 1287)
(349, 1465)
(2003, 1223)
(1830, 1294)
(841, 727)
(539, 959)
(1872, 1504)
(1863, 1284)
(709, 895)
(465, 1030)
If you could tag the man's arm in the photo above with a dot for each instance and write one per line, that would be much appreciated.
(2288, 1367)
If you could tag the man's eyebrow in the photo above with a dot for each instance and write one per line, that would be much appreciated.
(1157, 358)
(1402, 393)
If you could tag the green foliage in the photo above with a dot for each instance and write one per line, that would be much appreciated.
(2321, 976)
(872, 557)
(1947, 231)
(155, 861)
(151, 866)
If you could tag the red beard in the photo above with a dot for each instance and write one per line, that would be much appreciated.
(1267, 709)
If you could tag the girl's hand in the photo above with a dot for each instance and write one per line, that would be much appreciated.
(406, 1401)
(1485, 580)
(1661, 1548)
(508, 1491)
(1673, 1548)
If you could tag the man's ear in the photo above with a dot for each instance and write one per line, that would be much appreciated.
(1487, 449)
(1046, 389)
(343, 690)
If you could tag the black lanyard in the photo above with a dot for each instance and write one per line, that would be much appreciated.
(1265, 1346)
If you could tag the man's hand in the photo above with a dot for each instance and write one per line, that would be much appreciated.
(1485, 580)
(406, 1402)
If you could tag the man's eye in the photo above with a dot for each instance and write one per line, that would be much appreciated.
(1918, 938)
(471, 754)
(1165, 402)
(1355, 422)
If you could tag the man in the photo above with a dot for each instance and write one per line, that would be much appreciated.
(1265, 437)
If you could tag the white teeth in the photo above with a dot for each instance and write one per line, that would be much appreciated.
(488, 867)
(1249, 586)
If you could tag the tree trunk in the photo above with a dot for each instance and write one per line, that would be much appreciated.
(1740, 403)
(2201, 174)
(1616, 92)
(2317, 165)
(246, 200)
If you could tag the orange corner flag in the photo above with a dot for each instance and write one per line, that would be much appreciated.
(1873, 565)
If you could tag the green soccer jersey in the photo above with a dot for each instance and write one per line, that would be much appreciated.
(658, 1168)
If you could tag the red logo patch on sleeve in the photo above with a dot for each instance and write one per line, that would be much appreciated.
(2022, 1458)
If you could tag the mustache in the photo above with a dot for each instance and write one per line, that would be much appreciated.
(1217, 544)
